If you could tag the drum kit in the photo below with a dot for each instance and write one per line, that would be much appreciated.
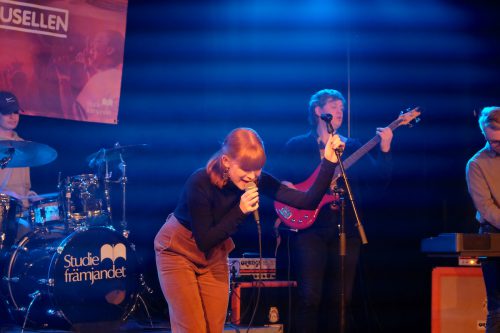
(73, 266)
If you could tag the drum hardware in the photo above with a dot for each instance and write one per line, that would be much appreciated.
(144, 284)
(34, 297)
(123, 181)
(143, 302)
(102, 158)
(12, 279)
(43, 282)
(19, 247)
(52, 312)
(146, 288)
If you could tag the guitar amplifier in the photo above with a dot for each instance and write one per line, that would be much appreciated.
(458, 300)
(248, 269)
(276, 303)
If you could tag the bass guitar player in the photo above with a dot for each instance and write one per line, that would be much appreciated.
(314, 250)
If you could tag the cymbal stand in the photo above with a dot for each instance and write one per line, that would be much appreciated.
(123, 181)
(68, 189)
(107, 196)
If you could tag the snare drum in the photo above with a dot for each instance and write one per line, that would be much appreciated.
(90, 275)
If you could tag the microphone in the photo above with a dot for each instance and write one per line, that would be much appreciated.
(248, 186)
(326, 117)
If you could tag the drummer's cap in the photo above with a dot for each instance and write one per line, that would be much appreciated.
(8, 103)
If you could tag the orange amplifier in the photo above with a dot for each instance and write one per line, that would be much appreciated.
(252, 268)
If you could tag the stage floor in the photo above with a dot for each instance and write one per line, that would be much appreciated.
(133, 326)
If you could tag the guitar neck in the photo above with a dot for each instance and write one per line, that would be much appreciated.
(353, 158)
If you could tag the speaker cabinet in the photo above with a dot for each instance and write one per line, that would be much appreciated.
(458, 300)
(274, 302)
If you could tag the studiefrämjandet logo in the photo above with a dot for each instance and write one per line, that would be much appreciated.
(78, 269)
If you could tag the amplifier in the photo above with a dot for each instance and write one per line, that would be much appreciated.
(276, 302)
(458, 300)
(252, 269)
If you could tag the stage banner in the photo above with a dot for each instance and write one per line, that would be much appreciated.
(64, 58)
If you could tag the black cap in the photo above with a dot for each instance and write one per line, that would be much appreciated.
(8, 103)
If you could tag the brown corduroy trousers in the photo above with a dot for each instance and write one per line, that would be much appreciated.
(195, 285)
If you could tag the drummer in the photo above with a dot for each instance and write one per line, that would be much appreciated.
(14, 182)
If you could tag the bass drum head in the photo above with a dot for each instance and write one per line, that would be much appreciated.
(94, 276)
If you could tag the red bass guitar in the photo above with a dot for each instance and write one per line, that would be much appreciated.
(303, 219)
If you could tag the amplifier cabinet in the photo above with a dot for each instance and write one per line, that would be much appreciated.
(274, 303)
(458, 300)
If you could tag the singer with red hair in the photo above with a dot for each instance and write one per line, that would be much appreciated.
(192, 246)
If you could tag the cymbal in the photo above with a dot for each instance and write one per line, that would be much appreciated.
(15, 154)
(112, 154)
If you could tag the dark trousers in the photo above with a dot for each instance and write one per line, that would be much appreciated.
(491, 275)
(316, 262)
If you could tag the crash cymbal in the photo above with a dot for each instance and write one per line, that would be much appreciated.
(113, 154)
(14, 154)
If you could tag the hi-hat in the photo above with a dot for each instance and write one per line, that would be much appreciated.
(14, 154)
(113, 154)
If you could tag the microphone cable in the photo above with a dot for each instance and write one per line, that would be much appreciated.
(258, 282)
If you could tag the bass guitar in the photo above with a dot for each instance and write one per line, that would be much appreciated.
(302, 219)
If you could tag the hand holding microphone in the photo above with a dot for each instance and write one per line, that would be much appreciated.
(249, 201)
(332, 147)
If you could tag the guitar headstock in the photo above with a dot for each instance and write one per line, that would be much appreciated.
(407, 116)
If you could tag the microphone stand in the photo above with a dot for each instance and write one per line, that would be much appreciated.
(343, 240)
(358, 224)
(327, 118)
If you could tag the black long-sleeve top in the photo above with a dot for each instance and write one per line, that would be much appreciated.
(213, 214)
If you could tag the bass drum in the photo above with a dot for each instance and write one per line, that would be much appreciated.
(57, 280)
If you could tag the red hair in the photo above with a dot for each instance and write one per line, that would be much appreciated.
(243, 145)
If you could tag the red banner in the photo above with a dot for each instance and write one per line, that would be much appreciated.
(63, 58)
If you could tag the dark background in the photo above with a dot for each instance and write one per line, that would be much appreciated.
(195, 70)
